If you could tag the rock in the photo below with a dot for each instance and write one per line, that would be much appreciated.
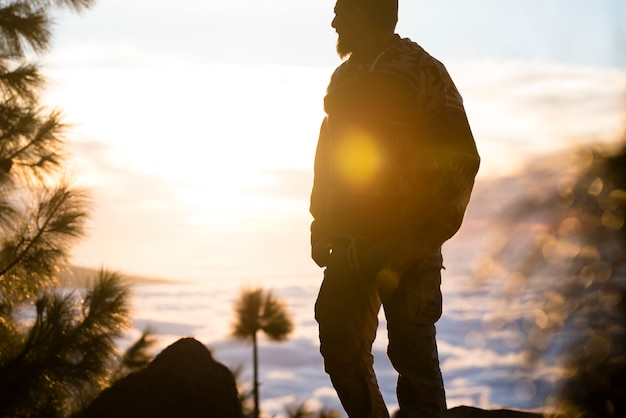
(471, 412)
(182, 381)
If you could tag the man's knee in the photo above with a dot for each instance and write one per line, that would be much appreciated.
(413, 350)
(343, 355)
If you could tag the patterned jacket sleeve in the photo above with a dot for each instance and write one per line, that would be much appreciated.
(448, 168)
(435, 147)
(319, 193)
(440, 205)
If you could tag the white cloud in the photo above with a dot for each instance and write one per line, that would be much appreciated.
(519, 109)
(173, 147)
(462, 358)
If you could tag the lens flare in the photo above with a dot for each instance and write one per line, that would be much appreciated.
(358, 157)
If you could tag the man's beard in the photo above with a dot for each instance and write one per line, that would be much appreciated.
(344, 49)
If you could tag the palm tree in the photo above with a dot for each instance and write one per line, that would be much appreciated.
(259, 310)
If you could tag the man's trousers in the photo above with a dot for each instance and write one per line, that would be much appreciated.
(347, 313)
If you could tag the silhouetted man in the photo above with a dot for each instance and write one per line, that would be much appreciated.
(394, 169)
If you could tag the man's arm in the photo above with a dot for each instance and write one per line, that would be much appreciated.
(320, 237)
(456, 164)
(442, 176)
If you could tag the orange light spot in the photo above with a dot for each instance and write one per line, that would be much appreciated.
(358, 157)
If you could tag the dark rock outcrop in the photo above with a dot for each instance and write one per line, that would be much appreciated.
(471, 412)
(182, 381)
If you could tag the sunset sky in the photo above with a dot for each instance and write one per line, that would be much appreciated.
(195, 122)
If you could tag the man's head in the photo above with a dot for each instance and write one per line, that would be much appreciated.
(358, 22)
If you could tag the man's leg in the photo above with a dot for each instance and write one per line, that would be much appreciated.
(411, 312)
(347, 312)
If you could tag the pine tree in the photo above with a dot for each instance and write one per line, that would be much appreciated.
(259, 310)
(62, 359)
(57, 348)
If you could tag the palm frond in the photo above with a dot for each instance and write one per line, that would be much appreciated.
(276, 323)
(248, 314)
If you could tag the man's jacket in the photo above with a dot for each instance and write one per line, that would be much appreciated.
(395, 152)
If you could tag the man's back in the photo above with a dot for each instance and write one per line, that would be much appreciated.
(397, 139)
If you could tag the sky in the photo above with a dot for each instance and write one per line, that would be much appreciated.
(194, 123)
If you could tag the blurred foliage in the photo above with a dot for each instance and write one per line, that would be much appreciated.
(244, 394)
(302, 410)
(137, 356)
(566, 238)
(57, 348)
(297, 410)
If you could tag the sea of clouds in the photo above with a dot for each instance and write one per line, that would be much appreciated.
(482, 336)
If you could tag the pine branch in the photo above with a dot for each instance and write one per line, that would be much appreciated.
(45, 216)
(16, 121)
(30, 258)
(26, 25)
(22, 25)
(108, 294)
(42, 153)
(67, 357)
(86, 361)
(137, 356)
(22, 81)
(75, 5)
(8, 212)
(30, 374)
(30, 144)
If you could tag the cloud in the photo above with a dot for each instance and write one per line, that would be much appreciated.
(193, 167)
(288, 184)
(456, 358)
(520, 109)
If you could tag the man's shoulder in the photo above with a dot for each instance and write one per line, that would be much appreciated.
(403, 53)
(342, 69)
(409, 63)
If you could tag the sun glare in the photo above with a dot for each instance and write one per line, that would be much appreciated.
(211, 142)
(358, 157)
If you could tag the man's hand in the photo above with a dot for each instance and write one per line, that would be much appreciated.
(320, 251)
